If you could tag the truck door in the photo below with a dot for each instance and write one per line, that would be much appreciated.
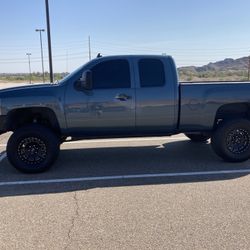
(111, 102)
(156, 95)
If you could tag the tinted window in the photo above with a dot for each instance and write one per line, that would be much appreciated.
(151, 73)
(111, 74)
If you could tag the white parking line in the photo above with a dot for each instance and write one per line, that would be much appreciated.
(2, 156)
(125, 177)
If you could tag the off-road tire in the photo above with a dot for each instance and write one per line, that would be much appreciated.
(231, 140)
(33, 148)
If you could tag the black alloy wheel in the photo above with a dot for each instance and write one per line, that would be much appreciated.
(33, 148)
(231, 140)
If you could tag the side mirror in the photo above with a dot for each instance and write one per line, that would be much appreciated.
(85, 82)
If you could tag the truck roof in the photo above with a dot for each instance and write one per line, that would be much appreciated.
(133, 56)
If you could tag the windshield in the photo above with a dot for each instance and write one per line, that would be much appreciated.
(70, 75)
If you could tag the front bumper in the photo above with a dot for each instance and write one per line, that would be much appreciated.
(3, 121)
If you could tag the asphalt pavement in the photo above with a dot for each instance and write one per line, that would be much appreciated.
(137, 193)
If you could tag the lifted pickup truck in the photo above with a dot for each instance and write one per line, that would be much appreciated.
(123, 96)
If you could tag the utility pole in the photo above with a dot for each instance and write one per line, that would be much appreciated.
(41, 43)
(29, 54)
(49, 41)
(89, 49)
(67, 62)
(248, 71)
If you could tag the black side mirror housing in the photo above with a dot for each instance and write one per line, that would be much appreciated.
(85, 82)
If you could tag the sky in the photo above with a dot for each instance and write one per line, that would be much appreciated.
(194, 32)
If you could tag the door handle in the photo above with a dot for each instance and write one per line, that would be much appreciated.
(122, 97)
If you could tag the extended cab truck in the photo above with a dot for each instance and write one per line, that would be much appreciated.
(123, 96)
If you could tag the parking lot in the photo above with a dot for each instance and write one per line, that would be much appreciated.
(139, 193)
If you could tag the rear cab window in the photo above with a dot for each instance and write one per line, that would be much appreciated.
(151, 73)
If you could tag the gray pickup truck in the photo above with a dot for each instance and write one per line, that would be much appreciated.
(123, 96)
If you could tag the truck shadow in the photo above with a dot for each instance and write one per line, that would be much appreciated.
(172, 157)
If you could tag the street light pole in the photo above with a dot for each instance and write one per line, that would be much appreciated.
(29, 54)
(49, 41)
(41, 43)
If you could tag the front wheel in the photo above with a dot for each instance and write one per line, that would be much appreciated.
(33, 148)
(231, 140)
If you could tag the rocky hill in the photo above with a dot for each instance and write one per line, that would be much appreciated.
(226, 70)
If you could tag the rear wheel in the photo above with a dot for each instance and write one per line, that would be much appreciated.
(33, 148)
(231, 140)
(197, 137)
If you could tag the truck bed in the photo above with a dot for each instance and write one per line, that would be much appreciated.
(200, 102)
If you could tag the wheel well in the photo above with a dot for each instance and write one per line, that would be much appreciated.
(44, 116)
(232, 111)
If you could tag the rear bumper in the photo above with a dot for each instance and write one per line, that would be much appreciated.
(3, 120)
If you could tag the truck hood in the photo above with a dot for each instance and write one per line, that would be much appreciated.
(34, 86)
(40, 95)
(16, 91)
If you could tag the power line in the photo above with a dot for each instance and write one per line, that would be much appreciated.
(36, 58)
(127, 45)
(46, 60)
(153, 46)
(115, 48)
